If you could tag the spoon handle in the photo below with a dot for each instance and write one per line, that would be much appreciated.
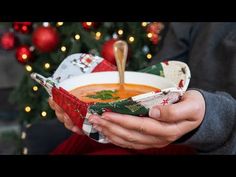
(120, 51)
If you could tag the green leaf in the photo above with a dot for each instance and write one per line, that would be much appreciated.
(105, 95)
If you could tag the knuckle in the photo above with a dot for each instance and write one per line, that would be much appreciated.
(104, 124)
(172, 112)
(68, 126)
(171, 138)
(68, 122)
(130, 137)
(114, 140)
(142, 128)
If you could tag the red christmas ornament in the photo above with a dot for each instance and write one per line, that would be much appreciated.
(155, 27)
(155, 39)
(45, 39)
(8, 41)
(88, 25)
(107, 51)
(23, 27)
(23, 54)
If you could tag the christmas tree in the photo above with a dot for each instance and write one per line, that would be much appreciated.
(45, 45)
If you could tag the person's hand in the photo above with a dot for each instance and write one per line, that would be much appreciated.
(164, 125)
(63, 117)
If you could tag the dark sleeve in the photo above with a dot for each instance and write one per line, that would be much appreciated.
(176, 42)
(217, 132)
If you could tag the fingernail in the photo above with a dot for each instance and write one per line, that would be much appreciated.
(155, 113)
(104, 117)
(92, 120)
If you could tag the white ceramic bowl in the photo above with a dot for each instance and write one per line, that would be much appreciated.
(113, 77)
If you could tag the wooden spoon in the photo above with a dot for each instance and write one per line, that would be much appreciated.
(120, 51)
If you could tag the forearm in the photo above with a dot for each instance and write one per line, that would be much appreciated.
(217, 132)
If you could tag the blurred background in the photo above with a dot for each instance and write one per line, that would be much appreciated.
(27, 47)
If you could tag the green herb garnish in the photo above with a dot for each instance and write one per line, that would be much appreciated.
(105, 95)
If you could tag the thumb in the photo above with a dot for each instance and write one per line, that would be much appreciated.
(186, 109)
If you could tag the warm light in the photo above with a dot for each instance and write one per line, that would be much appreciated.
(149, 35)
(28, 68)
(144, 24)
(63, 48)
(46, 24)
(35, 88)
(47, 65)
(77, 36)
(120, 32)
(89, 23)
(59, 23)
(131, 39)
(98, 35)
(25, 151)
(23, 135)
(27, 109)
(149, 56)
(24, 56)
(44, 113)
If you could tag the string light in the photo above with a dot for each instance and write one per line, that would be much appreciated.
(149, 35)
(23, 135)
(120, 32)
(77, 37)
(35, 88)
(131, 39)
(44, 113)
(89, 23)
(28, 68)
(63, 48)
(24, 56)
(149, 56)
(25, 151)
(98, 35)
(59, 23)
(46, 24)
(144, 24)
(47, 65)
(27, 109)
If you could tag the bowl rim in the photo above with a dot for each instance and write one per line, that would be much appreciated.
(69, 84)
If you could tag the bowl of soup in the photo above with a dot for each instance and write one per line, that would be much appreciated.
(101, 92)
(104, 86)
(83, 85)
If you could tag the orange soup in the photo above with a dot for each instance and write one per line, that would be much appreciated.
(109, 92)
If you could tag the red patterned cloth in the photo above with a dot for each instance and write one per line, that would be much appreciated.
(83, 145)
